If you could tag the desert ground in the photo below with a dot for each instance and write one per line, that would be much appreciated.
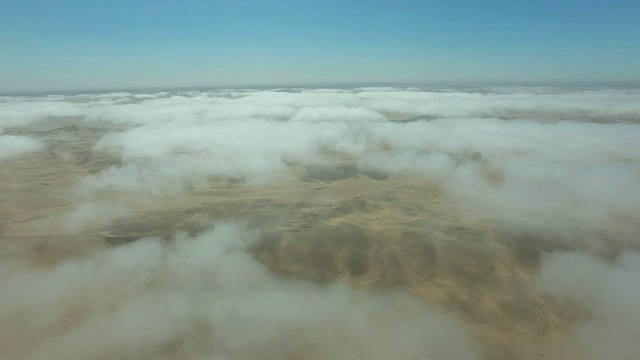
(328, 226)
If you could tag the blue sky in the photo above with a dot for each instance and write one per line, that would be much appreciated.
(58, 45)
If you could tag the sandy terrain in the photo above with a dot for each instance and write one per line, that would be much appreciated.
(324, 224)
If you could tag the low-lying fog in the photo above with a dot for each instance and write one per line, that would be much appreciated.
(364, 223)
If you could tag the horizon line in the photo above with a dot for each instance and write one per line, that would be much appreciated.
(329, 85)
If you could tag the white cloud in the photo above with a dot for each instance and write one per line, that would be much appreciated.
(15, 145)
(206, 297)
(552, 166)
(608, 293)
(578, 177)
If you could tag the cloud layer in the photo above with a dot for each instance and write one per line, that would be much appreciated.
(556, 172)
(534, 157)
(207, 297)
(13, 145)
(607, 292)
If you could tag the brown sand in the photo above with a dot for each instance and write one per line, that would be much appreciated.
(370, 230)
